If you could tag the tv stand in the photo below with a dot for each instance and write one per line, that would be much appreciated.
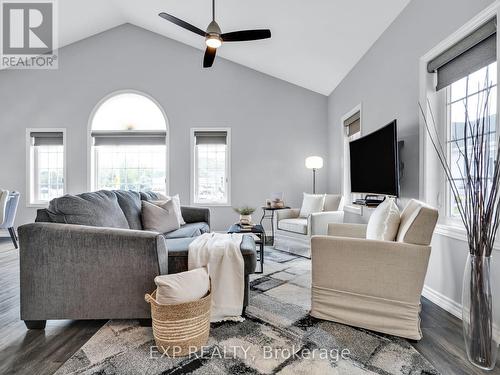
(370, 200)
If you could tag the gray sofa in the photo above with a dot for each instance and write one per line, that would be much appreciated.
(87, 257)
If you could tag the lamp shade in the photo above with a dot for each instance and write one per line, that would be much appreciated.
(314, 162)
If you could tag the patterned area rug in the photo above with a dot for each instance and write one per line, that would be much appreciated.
(278, 337)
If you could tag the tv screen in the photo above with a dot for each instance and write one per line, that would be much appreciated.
(374, 162)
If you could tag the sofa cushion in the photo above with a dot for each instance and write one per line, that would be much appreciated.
(97, 209)
(152, 196)
(298, 225)
(384, 222)
(130, 203)
(189, 230)
(312, 203)
(159, 216)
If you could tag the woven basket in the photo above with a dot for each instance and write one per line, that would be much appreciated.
(180, 329)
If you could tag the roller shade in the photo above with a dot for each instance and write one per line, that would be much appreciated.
(353, 124)
(46, 138)
(129, 138)
(472, 53)
(210, 137)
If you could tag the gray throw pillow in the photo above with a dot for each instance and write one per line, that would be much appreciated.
(97, 209)
(159, 216)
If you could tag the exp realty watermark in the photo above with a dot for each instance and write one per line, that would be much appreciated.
(28, 34)
(242, 352)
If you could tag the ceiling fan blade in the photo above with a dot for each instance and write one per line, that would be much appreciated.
(209, 57)
(243, 35)
(182, 23)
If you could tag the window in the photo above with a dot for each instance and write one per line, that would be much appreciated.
(129, 149)
(471, 90)
(351, 126)
(46, 167)
(455, 80)
(211, 162)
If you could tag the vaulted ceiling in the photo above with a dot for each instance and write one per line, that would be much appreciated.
(314, 43)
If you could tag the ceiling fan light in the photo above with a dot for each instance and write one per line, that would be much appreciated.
(213, 41)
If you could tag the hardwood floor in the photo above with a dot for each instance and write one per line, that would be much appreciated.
(42, 352)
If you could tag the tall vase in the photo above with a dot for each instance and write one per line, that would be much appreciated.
(477, 313)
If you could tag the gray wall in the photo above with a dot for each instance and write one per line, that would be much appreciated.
(275, 125)
(385, 81)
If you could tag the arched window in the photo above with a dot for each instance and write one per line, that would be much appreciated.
(129, 148)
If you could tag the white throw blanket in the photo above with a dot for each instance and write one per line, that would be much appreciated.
(221, 254)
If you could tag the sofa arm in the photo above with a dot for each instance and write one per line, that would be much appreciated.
(196, 214)
(287, 213)
(347, 230)
(81, 272)
(317, 223)
(383, 269)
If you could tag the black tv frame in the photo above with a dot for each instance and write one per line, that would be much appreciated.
(397, 189)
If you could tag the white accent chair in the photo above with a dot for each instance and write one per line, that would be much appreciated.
(293, 233)
(374, 284)
(8, 209)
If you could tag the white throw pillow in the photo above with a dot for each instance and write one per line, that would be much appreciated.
(177, 205)
(312, 203)
(182, 287)
(159, 216)
(384, 222)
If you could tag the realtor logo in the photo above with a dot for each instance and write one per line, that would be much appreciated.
(28, 34)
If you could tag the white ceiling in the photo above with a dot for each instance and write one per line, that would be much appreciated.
(314, 43)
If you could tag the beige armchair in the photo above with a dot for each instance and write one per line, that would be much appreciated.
(293, 233)
(373, 284)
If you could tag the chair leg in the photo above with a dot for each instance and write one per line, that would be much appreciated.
(13, 237)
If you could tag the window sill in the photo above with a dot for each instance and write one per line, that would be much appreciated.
(457, 233)
(210, 204)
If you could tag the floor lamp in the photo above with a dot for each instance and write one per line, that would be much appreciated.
(314, 162)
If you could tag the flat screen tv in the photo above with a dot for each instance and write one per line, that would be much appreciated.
(374, 162)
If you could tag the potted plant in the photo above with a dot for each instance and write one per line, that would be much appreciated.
(476, 193)
(245, 214)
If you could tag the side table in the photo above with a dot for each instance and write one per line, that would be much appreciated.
(268, 213)
(258, 230)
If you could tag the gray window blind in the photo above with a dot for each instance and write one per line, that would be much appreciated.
(207, 137)
(129, 138)
(353, 124)
(472, 53)
(46, 138)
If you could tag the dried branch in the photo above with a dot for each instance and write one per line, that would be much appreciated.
(478, 207)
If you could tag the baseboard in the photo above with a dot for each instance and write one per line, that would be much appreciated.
(451, 306)
(446, 303)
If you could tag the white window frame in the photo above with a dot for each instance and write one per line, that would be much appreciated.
(345, 161)
(95, 158)
(432, 184)
(193, 166)
(91, 166)
(30, 166)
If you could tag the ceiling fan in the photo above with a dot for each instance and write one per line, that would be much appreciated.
(214, 36)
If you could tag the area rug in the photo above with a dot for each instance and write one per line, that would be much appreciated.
(277, 337)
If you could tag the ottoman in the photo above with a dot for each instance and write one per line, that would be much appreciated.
(178, 258)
